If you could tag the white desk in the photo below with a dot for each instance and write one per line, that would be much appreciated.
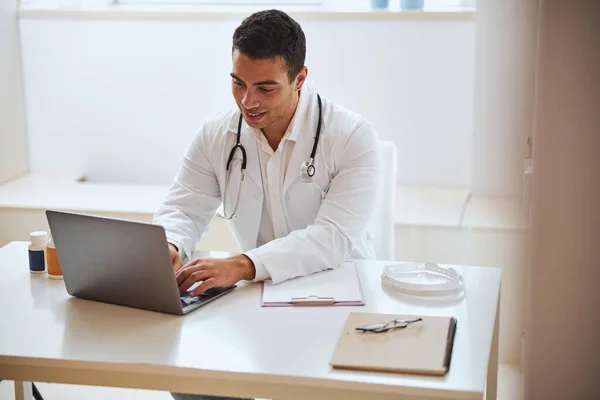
(232, 346)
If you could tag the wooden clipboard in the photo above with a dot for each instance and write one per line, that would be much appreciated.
(423, 347)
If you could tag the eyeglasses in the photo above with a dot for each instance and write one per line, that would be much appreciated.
(381, 327)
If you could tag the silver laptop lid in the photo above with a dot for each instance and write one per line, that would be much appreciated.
(115, 261)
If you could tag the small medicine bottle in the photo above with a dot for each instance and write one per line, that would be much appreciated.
(52, 264)
(37, 245)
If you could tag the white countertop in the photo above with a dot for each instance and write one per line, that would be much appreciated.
(415, 205)
(38, 191)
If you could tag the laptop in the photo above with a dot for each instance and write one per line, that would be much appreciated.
(121, 262)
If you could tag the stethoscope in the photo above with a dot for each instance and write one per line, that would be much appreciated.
(307, 167)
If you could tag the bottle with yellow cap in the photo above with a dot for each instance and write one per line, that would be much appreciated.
(37, 245)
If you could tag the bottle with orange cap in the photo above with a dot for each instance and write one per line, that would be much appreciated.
(52, 264)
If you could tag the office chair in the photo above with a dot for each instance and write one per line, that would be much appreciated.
(381, 226)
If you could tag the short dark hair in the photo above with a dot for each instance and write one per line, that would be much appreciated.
(270, 34)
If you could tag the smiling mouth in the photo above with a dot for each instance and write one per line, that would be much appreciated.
(254, 116)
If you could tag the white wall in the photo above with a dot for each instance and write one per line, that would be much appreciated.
(505, 61)
(119, 100)
(13, 139)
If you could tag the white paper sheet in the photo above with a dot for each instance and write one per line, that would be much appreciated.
(342, 284)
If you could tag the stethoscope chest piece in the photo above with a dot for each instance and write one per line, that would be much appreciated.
(308, 168)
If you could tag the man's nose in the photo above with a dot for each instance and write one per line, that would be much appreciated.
(249, 100)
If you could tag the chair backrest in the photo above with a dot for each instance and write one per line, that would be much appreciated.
(381, 226)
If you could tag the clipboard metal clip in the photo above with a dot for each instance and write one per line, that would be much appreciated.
(312, 300)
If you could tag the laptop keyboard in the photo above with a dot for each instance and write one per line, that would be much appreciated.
(187, 300)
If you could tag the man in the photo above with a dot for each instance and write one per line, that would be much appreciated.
(312, 170)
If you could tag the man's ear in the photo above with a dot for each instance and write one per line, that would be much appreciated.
(301, 77)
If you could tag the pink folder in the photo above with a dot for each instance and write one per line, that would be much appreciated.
(334, 287)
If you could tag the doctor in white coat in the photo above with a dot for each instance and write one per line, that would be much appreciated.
(294, 215)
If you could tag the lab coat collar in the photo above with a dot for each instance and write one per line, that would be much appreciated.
(248, 141)
(304, 129)
(302, 114)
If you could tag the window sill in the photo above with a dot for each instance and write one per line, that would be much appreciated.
(361, 11)
(415, 206)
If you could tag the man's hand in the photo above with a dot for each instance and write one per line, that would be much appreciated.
(214, 273)
(175, 258)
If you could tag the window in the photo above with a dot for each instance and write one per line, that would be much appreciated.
(336, 4)
(225, 2)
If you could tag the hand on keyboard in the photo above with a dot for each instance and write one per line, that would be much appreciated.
(186, 299)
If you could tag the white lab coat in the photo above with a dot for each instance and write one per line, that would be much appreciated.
(327, 215)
